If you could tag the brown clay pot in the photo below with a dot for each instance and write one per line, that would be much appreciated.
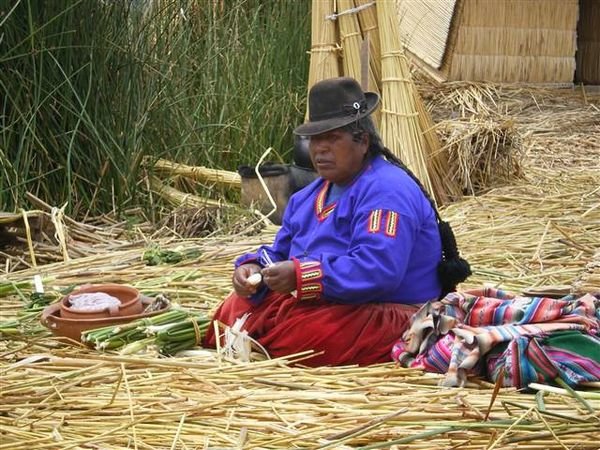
(128, 296)
(72, 328)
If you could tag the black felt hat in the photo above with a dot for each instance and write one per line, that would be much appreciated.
(336, 102)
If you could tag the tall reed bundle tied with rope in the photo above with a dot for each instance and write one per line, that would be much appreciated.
(350, 39)
(324, 61)
(367, 19)
(400, 128)
(445, 187)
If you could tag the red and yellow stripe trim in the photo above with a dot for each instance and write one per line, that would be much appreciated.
(321, 210)
(375, 221)
(391, 224)
(309, 277)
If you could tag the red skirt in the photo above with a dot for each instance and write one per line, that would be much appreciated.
(346, 334)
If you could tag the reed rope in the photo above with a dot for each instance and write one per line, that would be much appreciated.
(197, 332)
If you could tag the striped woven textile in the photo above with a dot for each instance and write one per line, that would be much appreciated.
(489, 332)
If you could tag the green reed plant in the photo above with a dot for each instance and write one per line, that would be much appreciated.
(91, 87)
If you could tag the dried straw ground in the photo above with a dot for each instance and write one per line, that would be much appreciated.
(542, 228)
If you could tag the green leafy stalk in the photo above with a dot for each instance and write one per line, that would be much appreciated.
(116, 336)
(182, 335)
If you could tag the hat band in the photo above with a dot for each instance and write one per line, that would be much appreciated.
(355, 108)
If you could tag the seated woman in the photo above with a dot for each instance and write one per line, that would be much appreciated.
(359, 250)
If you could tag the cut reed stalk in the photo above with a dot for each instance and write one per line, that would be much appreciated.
(400, 129)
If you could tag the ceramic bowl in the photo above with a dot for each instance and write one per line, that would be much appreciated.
(68, 327)
(128, 296)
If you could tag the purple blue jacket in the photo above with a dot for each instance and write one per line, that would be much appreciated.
(377, 242)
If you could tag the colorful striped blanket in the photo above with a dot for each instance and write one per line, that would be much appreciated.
(493, 333)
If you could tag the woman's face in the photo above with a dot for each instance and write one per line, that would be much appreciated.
(336, 156)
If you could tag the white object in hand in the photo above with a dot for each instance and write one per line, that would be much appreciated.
(254, 279)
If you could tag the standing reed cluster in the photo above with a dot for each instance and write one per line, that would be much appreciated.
(90, 88)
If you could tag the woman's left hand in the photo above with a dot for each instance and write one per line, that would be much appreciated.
(280, 277)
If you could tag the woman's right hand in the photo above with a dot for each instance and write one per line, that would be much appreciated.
(240, 279)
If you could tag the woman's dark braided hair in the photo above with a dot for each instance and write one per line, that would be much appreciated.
(452, 269)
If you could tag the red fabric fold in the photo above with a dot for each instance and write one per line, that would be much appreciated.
(346, 334)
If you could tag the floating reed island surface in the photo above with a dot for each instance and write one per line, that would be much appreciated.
(540, 227)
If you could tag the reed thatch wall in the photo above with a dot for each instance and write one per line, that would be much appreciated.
(588, 42)
(531, 41)
(515, 41)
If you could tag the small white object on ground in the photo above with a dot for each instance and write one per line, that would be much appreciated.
(37, 282)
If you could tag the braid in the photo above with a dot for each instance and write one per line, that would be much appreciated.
(452, 269)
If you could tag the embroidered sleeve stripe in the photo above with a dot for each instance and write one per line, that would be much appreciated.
(312, 287)
(375, 221)
(312, 275)
(391, 224)
(309, 275)
(311, 291)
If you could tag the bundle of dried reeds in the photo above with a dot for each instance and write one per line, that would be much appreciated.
(367, 18)
(198, 173)
(482, 153)
(178, 198)
(324, 60)
(465, 99)
(350, 40)
(400, 129)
